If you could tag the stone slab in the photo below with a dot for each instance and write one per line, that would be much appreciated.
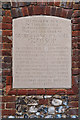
(41, 52)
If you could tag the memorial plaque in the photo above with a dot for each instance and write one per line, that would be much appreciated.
(41, 52)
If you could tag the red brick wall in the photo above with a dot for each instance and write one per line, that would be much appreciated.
(68, 11)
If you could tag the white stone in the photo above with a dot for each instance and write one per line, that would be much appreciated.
(47, 96)
(51, 110)
(56, 102)
(32, 109)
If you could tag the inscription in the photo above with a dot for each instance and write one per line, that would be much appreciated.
(41, 52)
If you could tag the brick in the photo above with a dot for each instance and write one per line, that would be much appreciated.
(75, 71)
(61, 92)
(76, 6)
(30, 10)
(13, 92)
(6, 26)
(76, 14)
(6, 66)
(22, 92)
(6, 52)
(1, 85)
(7, 12)
(74, 45)
(40, 91)
(70, 92)
(64, 13)
(75, 80)
(7, 19)
(50, 91)
(57, 3)
(7, 39)
(25, 11)
(76, 52)
(7, 46)
(8, 88)
(43, 102)
(6, 72)
(10, 105)
(53, 11)
(7, 59)
(75, 58)
(38, 10)
(73, 112)
(21, 4)
(73, 98)
(75, 27)
(75, 39)
(8, 80)
(14, 12)
(69, 13)
(73, 104)
(2, 106)
(8, 112)
(31, 92)
(14, 4)
(76, 20)
(7, 32)
(58, 12)
(47, 10)
(8, 99)
(75, 65)
(75, 89)
(75, 33)
(51, 3)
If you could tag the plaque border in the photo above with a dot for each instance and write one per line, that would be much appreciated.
(45, 91)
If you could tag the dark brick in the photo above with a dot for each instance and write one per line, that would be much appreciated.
(6, 73)
(14, 12)
(58, 12)
(6, 66)
(30, 10)
(47, 10)
(69, 13)
(53, 11)
(7, 59)
(73, 112)
(38, 10)
(43, 102)
(76, 14)
(25, 11)
(10, 105)
(6, 39)
(6, 52)
(7, 46)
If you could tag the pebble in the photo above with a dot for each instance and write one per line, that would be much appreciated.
(56, 102)
(49, 116)
(32, 109)
(51, 110)
(47, 96)
(11, 116)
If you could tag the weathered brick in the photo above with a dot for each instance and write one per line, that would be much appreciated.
(75, 27)
(6, 72)
(53, 11)
(7, 39)
(73, 104)
(69, 13)
(7, 46)
(6, 26)
(30, 10)
(47, 10)
(14, 92)
(25, 11)
(7, 32)
(6, 52)
(40, 91)
(75, 71)
(76, 20)
(8, 80)
(6, 66)
(73, 98)
(38, 10)
(8, 112)
(14, 12)
(7, 19)
(64, 13)
(22, 92)
(50, 91)
(32, 92)
(73, 112)
(43, 102)
(10, 105)
(76, 14)
(8, 99)
(7, 59)
(75, 33)
(58, 12)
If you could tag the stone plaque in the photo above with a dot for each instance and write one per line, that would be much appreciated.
(41, 52)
